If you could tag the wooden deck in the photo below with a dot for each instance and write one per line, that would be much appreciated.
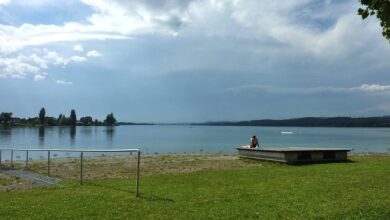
(296, 155)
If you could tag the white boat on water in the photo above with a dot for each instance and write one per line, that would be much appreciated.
(287, 132)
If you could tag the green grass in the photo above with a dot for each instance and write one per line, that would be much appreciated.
(357, 190)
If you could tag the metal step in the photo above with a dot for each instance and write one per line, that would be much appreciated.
(32, 177)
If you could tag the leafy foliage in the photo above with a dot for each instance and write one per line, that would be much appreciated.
(62, 120)
(73, 118)
(51, 121)
(5, 117)
(379, 8)
(110, 119)
(42, 114)
(87, 120)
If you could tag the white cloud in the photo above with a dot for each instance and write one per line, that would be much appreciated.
(93, 53)
(374, 88)
(22, 66)
(78, 59)
(16, 38)
(39, 77)
(56, 59)
(365, 88)
(63, 82)
(4, 2)
(328, 30)
(78, 48)
(111, 20)
(294, 23)
(16, 68)
(284, 90)
(38, 60)
(130, 17)
(324, 29)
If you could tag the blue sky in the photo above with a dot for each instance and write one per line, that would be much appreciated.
(192, 60)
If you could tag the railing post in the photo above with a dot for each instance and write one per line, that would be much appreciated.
(81, 168)
(26, 158)
(138, 166)
(12, 158)
(0, 157)
(48, 163)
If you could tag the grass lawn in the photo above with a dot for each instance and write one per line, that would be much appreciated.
(356, 190)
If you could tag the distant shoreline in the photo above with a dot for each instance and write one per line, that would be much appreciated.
(364, 122)
(340, 122)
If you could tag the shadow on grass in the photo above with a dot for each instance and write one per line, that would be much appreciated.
(297, 163)
(306, 163)
(260, 161)
(155, 198)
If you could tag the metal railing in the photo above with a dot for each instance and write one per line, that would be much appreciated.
(81, 151)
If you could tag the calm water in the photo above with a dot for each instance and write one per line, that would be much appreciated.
(164, 139)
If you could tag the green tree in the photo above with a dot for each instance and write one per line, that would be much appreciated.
(110, 119)
(32, 121)
(379, 8)
(51, 121)
(73, 118)
(97, 122)
(42, 114)
(59, 119)
(87, 120)
(62, 120)
(5, 117)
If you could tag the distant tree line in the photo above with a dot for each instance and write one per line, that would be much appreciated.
(62, 120)
(6, 118)
(311, 122)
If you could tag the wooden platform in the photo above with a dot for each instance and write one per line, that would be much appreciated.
(296, 155)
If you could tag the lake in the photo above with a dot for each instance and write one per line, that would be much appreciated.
(169, 138)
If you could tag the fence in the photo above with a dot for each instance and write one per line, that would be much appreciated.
(81, 151)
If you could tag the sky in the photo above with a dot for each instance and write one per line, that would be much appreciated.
(192, 60)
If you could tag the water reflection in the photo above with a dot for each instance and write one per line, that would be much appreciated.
(86, 131)
(72, 135)
(110, 134)
(61, 132)
(5, 135)
(41, 135)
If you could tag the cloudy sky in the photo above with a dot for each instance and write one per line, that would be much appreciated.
(192, 60)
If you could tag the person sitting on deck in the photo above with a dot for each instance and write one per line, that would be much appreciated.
(254, 142)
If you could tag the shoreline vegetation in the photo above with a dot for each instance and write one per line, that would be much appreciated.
(346, 122)
(6, 120)
(199, 186)
(383, 121)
